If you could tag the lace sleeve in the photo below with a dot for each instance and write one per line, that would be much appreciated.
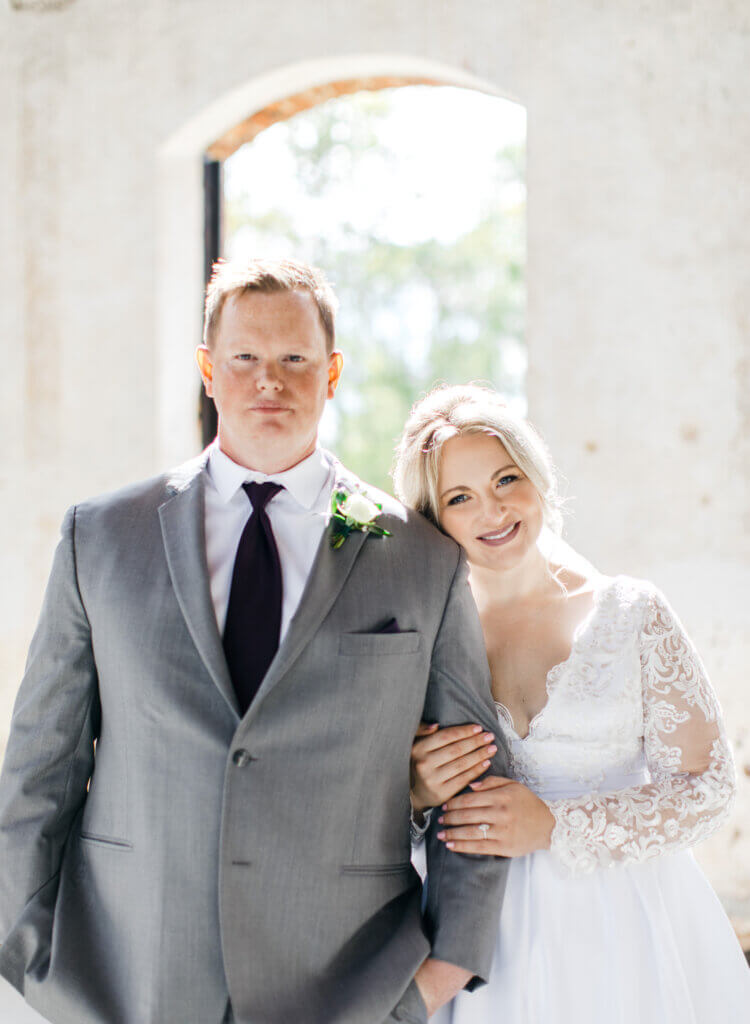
(688, 756)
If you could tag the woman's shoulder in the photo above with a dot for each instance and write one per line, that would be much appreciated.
(622, 589)
(638, 598)
(619, 595)
(627, 588)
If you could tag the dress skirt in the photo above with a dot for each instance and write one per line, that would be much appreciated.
(647, 943)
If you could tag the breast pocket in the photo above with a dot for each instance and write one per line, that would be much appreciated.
(363, 645)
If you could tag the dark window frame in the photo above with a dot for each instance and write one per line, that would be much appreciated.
(213, 240)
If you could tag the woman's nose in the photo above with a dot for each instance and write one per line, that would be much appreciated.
(492, 507)
(495, 501)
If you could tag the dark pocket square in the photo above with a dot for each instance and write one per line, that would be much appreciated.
(391, 626)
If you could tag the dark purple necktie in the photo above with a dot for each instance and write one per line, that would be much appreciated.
(251, 631)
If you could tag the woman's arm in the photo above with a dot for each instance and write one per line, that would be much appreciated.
(688, 756)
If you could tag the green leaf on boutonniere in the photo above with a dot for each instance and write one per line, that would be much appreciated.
(353, 511)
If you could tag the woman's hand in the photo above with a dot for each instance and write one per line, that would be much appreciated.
(445, 761)
(519, 821)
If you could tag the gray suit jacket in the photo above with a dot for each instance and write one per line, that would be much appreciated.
(159, 854)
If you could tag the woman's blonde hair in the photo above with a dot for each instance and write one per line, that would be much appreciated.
(452, 411)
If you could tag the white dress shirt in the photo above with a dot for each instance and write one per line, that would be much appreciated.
(298, 517)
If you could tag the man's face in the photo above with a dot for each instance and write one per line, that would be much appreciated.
(270, 375)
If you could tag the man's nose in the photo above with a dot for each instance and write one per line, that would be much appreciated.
(268, 378)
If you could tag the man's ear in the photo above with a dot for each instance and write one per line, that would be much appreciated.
(335, 366)
(203, 358)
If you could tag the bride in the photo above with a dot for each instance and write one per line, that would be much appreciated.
(619, 757)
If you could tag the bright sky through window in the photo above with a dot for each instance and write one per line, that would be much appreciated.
(445, 141)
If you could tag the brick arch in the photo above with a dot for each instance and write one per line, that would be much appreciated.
(283, 109)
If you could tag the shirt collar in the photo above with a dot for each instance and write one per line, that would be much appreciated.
(304, 482)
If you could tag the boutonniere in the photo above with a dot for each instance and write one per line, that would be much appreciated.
(354, 512)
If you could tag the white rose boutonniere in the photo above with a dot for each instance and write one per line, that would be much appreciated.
(354, 511)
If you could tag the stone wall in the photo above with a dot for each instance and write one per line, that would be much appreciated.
(639, 139)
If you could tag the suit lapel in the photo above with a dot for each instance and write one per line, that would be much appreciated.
(327, 577)
(183, 532)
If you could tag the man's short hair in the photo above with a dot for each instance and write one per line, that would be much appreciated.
(235, 277)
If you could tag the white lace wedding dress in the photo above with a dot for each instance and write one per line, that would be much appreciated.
(616, 923)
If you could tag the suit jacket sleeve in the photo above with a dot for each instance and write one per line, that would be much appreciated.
(48, 762)
(464, 892)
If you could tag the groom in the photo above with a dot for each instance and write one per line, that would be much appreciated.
(204, 805)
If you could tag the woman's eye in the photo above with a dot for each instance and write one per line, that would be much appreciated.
(459, 499)
(296, 359)
(506, 480)
(244, 357)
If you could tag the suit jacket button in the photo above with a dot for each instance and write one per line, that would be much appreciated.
(241, 758)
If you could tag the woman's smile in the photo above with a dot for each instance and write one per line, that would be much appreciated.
(498, 537)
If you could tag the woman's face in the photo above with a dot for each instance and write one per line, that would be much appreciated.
(487, 504)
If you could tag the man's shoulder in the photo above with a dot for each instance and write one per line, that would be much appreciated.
(410, 525)
(147, 493)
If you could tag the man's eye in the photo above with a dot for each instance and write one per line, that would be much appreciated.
(506, 480)
(244, 356)
(459, 499)
(296, 359)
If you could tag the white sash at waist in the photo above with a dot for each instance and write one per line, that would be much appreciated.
(560, 787)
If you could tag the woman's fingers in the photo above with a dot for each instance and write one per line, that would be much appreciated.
(493, 782)
(443, 738)
(471, 833)
(455, 784)
(426, 728)
(471, 816)
(453, 758)
(483, 796)
(485, 846)
(479, 758)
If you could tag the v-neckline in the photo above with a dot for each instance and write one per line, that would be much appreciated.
(602, 582)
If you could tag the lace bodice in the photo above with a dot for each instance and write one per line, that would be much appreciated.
(630, 751)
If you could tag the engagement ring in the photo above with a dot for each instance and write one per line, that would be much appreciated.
(484, 828)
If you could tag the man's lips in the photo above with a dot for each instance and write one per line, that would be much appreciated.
(270, 408)
(498, 537)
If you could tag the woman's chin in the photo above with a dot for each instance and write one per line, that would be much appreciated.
(500, 559)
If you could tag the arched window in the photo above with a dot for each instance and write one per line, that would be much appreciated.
(412, 199)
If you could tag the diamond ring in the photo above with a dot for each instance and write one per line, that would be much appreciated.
(484, 828)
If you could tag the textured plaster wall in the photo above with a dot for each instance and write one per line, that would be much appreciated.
(639, 139)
